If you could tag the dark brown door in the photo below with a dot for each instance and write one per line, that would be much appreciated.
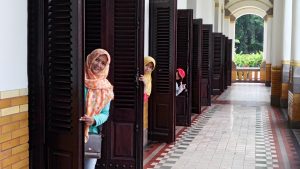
(225, 63)
(163, 49)
(35, 57)
(229, 61)
(123, 133)
(217, 67)
(184, 60)
(206, 65)
(63, 72)
(196, 66)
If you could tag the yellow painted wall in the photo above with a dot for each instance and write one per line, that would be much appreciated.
(14, 133)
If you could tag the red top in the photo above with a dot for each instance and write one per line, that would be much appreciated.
(146, 97)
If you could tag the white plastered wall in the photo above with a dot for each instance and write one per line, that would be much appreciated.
(203, 9)
(13, 45)
(146, 29)
(181, 4)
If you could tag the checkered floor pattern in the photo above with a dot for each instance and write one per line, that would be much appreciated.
(175, 151)
(265, 150)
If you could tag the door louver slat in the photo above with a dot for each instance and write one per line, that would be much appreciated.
(59, 67)
(163, 50)
(93, 25)
(124, 42)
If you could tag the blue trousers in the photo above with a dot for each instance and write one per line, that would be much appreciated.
(90, 163)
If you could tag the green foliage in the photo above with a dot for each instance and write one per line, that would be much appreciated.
(249, 34)
(248, 60)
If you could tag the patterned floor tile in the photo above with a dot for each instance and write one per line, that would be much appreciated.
(237, 131)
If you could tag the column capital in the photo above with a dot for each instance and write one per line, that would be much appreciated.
(295, 63)
(272, 1)
(267, 17)
(217, 4)
(270, 11)
(286, 62)
(232, 18)
(227, 12)
(226, 1)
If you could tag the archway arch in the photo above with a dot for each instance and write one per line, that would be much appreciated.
(249, 10)
(235, 5)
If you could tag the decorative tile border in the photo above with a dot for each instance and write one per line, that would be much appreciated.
(265, 150)
(13, 93)
(13, 101)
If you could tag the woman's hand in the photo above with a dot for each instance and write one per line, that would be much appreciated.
(141, 78)
(88, 120)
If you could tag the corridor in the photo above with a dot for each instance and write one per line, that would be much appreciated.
(239, 131)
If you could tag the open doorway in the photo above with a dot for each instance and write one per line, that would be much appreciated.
(249, 57)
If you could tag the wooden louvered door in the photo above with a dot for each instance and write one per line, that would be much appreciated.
(229, 61)
(196, 66)
(222, 63)
(63, 68)
(225, 62)
(36, 87)
(217, 68)
(94, 20)
(184, 61)
(206, 65)
(163, 49)
(123, 136)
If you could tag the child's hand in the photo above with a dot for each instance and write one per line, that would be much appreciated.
(141, 78)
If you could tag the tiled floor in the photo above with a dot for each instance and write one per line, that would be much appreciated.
(239, 131)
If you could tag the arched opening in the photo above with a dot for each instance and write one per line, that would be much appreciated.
(248, 56)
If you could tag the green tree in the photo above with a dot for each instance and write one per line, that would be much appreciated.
(249, 34)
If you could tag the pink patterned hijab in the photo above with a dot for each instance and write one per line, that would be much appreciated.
(100, 91)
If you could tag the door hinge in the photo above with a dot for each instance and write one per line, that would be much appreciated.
(137, 128)
(137, 76)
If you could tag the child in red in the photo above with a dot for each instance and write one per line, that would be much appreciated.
(180, 74)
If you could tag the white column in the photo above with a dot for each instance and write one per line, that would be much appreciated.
(295, 51)
(265, 40)
(226, 27)
(232, 35)
(203, 9)
(269, 38)
(217, 17)
(277, 34)
(192, 4)
(221, 17)
(287, 30)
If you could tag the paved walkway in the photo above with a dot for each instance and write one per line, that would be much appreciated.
(239, 131)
